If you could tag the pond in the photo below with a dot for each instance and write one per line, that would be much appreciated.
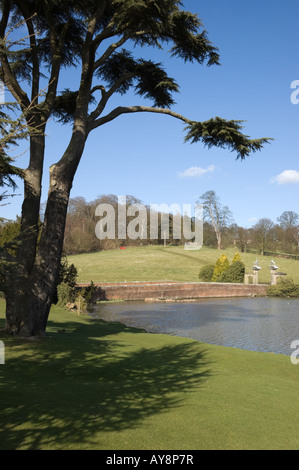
(256, 324)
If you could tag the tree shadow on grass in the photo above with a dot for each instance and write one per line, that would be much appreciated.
(62, 392)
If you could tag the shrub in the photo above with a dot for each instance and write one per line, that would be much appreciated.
(80, 304)
(221, 265)
(234, 273)
(237, 257)
(88, 293)
(67, 275)
(206, 273)
(284, 288)
(65, 294)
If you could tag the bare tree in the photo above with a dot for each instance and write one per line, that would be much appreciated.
(219, 216)
(289, 221)
(262, 233)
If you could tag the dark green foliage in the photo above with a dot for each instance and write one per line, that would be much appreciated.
(206, 273)
(88, 293)
(79, 298)
(65, 294)
(67, 273)
(234, 273)
(121, 65)
(284, 288)
(7, 171)
(9, 232)
(67, 276)
(143, 22)
(189, 43)
(9, 237)
(148, 78)
(218, 132)
(64, 107)
(10, 132)
(153, 83)
(48, 17)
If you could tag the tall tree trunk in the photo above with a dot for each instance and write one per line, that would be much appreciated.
(218, 236)
(31, 205)
(30, 292)
(29, 295)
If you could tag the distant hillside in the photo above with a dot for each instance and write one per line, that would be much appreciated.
(156, 263)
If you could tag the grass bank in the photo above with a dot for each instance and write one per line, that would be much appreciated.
(156, 263)
(97, 385)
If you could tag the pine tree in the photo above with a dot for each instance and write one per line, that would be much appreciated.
(96, 40)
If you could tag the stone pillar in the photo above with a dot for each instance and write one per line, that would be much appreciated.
(274, 277)
(255, 277)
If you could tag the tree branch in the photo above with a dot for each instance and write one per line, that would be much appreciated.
(136, 109)
(110, 51)
(106, 95)
(55, 69)
(13, 85)
(33, 49)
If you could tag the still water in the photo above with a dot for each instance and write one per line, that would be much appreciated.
(256, 324)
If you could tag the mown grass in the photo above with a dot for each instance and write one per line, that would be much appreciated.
(96, 385)
(156, 263)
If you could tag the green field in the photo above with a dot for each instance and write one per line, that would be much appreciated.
(97, 385)
(156, 263)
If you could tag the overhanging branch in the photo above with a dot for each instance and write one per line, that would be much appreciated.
(135, 109)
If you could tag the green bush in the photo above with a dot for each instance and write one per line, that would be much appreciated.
(237, 257)
(206, 273)
(80, 304)
(221, 265)
(88, 293)
(284, 288)
(65, 294)
(67, 275)
(234, 273)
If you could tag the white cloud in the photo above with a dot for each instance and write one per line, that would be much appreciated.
(287, 177)
(197, 171)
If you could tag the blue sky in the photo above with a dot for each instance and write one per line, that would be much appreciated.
(145, 155)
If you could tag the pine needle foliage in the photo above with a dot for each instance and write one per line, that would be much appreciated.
(218, 132)
(57, 31)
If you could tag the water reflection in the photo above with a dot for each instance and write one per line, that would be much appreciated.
(258, 324)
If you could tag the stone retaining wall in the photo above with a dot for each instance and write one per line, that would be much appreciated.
(171, 290)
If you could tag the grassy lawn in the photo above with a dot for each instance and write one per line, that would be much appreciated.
(97, 385)
(170, 263)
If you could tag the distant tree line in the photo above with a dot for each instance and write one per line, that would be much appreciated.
(81, 221)
(264, 237)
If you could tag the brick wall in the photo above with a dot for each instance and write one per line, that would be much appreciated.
(175, 290)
